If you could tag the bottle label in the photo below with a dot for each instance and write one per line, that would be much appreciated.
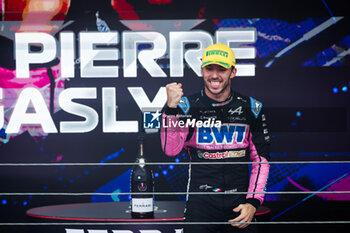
(142, 205)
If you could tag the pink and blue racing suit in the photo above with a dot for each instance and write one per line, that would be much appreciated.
(218, 136)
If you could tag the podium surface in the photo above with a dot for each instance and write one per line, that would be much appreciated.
(107, 211)
(108, 217)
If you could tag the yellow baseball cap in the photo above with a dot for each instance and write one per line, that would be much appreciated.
(219, 54)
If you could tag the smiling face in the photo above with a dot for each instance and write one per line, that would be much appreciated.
(217, 81)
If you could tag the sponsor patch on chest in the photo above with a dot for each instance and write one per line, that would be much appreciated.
(221, 155)
(231, 133)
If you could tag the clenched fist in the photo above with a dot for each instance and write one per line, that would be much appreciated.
(174, 93)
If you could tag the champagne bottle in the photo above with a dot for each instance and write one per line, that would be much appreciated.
(142, 182)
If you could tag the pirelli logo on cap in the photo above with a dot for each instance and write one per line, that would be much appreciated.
(217, 52)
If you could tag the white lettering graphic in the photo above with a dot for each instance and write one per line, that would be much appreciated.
(143, 101)
(147, 57)
(100, 46)
(110, 124)
(67, 54)
(239, 38)
(192, 57)
(24, 56)
(40, 114)
(89, 54)
(90, 115)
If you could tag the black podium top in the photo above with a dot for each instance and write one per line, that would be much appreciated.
(107, 211)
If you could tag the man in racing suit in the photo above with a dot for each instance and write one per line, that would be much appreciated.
(220, 129)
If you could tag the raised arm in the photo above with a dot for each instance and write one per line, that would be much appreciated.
(173, 136)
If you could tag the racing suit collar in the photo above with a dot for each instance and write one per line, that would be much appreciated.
(214, 103)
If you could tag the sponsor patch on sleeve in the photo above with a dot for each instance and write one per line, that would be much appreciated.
(184, 105)
(255, 106)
